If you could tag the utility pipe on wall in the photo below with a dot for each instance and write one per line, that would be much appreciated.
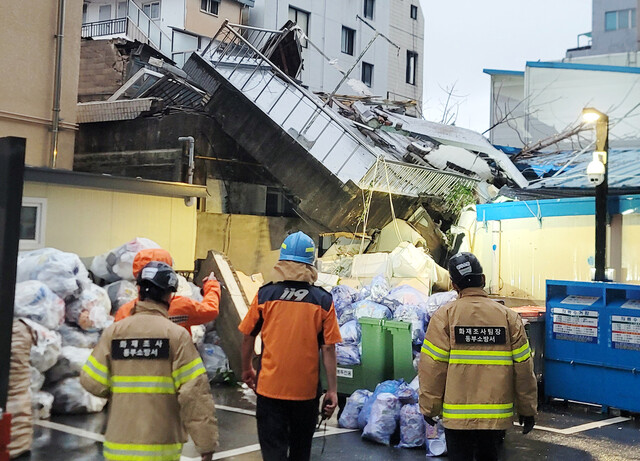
(191, 166)
(55, 124)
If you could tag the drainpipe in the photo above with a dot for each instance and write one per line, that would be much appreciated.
(190, 169)
(55, 124)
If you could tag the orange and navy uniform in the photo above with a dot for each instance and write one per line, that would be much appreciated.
(295, 319)
(183, 311)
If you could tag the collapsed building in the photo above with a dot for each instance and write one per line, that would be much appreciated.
(340, 163)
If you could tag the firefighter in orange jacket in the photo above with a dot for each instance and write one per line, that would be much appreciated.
(184, 311)
(476, 368)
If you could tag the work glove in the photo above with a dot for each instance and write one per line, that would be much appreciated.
(429, 420)
(527, 423)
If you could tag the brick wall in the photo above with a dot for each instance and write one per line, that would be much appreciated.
(102, 69)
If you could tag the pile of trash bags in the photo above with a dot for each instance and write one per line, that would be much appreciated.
(379, 301)
(66, 312)
(117, 264)
(390, 415)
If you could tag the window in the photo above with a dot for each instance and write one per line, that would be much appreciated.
(368, 9)
(122, 9)
(104, 13)
(32, 220)
(348, 39)
(367, 74)
(414, 12)
(210, 6)
(301, 18)
(412, 64)
(84, 13)
(278, 203)
(152, 10)
(621, 19)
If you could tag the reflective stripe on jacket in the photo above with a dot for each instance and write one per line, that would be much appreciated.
(157, 386)
(475, 367)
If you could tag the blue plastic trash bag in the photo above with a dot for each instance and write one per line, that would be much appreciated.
(383, 421)
(348, 314)
(389, 386)
(412, 427)
(377, 290)
(348, 354)
(343, 297)
(405, 294)
(414, 315)
(351, 332)
(349, 417)
(406, 394)
(368, 308)
(437, 300)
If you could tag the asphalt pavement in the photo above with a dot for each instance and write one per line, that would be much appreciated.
(572, 432)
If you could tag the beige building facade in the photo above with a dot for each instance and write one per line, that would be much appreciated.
(27, 90)
(176, 28)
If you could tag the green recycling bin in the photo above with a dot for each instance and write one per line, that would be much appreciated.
(402, 365)
(376, 361)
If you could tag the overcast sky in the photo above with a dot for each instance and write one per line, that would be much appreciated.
(463, 37)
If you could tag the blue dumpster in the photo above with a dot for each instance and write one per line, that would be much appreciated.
(592, 347)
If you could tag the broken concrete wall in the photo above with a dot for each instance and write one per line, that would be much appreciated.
(102, 70)
(252, 243)
(104, 148)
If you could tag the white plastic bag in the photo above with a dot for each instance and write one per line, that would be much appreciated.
(197, 334)
(214, 359)
(349, 417)
(91, 310)
(62, 272)
(120, 293)
(74, 336)
(384, 417)
(371, 309)
(37, 379)
(184, 289)
(351, 332)
(196, 294)
(348, 354)
(412, 262)
(69, 397)
(412, 427)
(117, 264)
(47, 347)
(69, 364)
(41, 403)
(34, 300)
(437, 300)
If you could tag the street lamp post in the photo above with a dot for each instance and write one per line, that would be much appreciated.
(601, 120)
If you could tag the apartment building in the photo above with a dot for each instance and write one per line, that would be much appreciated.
(339, 31)
(614, 29)
(174, 27)
(32, 104)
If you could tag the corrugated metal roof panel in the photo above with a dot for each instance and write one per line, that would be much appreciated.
(568, 169)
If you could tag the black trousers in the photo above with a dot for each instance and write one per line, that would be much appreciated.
(285, 428)
(474, 445)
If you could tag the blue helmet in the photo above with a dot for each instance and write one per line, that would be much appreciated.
(298, 247)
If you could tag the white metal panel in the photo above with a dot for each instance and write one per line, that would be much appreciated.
(557, 97)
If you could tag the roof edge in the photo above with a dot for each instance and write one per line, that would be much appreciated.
(515, 73)
(113, 183)
(576, 66)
